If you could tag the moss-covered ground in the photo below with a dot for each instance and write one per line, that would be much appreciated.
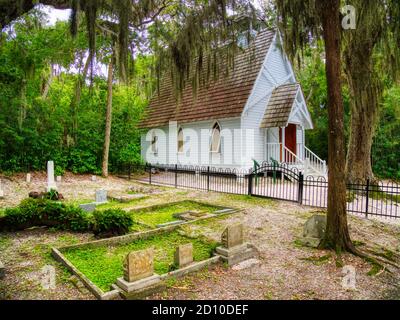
(103, 265)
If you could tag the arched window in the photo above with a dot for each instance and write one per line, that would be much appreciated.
(180, 140)
(216, 138)
(154, 144)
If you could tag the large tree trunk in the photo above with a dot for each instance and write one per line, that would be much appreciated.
(107, 135)
(364, 84)
(337, 235)
(364, 117)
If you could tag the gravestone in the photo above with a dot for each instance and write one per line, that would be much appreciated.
(314, 230)
(88, 207)
(315, 227)
(28, 178)
(101, 196)
(51, 185)
(1, 191)
(233, 249)
(94, 178)
(232, 236)
(184, 255)
(59, 179)
(139, 265)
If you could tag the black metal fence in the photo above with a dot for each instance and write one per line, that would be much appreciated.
(275, 182)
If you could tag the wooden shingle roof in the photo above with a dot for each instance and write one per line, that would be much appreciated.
(280, 106)
(223, 98)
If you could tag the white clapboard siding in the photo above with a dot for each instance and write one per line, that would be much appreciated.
(276, 71)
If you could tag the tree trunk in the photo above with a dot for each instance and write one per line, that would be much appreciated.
(337, 235)
(107, 136)
(77, 97)
(365, 87)
(364, 117)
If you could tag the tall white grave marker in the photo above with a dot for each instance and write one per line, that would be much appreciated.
(1, 191)
(51, 185)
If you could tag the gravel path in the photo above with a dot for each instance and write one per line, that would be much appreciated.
(283, 270)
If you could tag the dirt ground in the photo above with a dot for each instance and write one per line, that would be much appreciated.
(284, 269)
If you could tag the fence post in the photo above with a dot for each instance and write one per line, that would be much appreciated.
(367, 201)
(300, 189)
(250, 184)
(176, 175)
(150, 169)
(208, 178)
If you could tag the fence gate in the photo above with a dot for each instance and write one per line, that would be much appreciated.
(277, 181)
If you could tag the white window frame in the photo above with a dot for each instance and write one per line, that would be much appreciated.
(154, 143)
(180, 151)
(215, 125)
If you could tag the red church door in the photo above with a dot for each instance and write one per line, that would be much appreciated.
(290, 139)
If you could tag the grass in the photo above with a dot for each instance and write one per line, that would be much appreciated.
(119, 205)
(5, 242)
(103, 265)
(246, 199)
(165, 213)
(318, 261)
(380, 195)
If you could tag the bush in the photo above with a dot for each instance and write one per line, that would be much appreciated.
(112, 222)
(42, 212)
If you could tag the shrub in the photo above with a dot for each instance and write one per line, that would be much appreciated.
(112, 222)
(42, 212)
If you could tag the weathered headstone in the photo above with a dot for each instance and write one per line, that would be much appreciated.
(232, 236)
(28, 178)
(314, 230)
(94, 178)
(139, 265)
(233, 249)
(101, 196)
(88, 207)
(315, 227)
(51, 185)
(184, 255)
(58, 179)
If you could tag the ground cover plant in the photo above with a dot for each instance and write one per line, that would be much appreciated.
(154, 216)
(54, 214)
(103, 265)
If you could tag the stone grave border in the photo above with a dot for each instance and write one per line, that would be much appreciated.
(57, 253)
(229, 210)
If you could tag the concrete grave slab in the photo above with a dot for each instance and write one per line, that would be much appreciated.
(125, 198)
(88, 207)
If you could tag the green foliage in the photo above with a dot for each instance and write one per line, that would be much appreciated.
(112, 222)
(386, 148)
(52, 195)
(37, 127)
(42, 212)
(167, 213)
(103, 265)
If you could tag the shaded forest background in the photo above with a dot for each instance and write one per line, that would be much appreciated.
(41, 65)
